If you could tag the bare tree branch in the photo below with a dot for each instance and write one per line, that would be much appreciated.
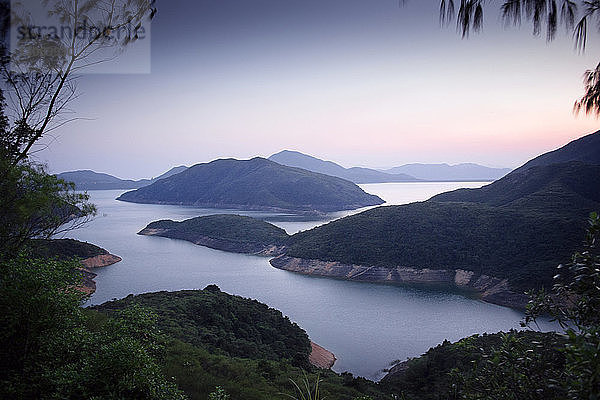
(39, 81)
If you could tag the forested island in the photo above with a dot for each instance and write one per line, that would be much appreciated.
(255, 184)
(228, 232)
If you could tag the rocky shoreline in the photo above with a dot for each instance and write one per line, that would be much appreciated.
(103, 260)
(320, 357)
(490, 289)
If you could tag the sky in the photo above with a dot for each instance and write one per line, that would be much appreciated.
(359, 82)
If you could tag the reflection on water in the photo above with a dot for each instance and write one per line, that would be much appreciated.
(366, 325)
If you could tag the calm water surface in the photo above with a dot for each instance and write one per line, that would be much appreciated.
(366, 325)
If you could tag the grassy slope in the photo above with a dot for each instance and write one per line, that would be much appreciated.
(223, 323)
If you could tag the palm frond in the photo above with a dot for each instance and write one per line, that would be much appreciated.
(580, 34)
(470, 16)
(478, 18)
(511, 12)
(567, 13)
(590, 101)
(552, 21)
(447, 11)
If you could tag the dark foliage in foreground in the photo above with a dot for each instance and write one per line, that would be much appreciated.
(50, 348)
(223, 324)
(198, 372)
(438, 374)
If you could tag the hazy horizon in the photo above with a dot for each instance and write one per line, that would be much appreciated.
(359, 83)
(325, 159)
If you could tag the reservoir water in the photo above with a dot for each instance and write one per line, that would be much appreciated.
(365, 325)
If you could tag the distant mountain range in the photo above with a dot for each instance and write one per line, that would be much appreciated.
(257, 184)
(356, 174)
(90, 180)
(404, 173)
(444, 172)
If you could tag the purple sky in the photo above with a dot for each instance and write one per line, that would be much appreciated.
(359, 82)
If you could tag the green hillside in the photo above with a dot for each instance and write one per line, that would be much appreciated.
(519, 227)
(64, 249)
(250, 350)
(567, 189)
(585, 149)
(503, 243)
(254, 184)
(223, 324)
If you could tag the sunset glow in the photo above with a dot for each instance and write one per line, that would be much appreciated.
(360, 83)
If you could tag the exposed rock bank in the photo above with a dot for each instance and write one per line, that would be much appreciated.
(321, 357)
(103, 260)
(88, 285)
(491, 290)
